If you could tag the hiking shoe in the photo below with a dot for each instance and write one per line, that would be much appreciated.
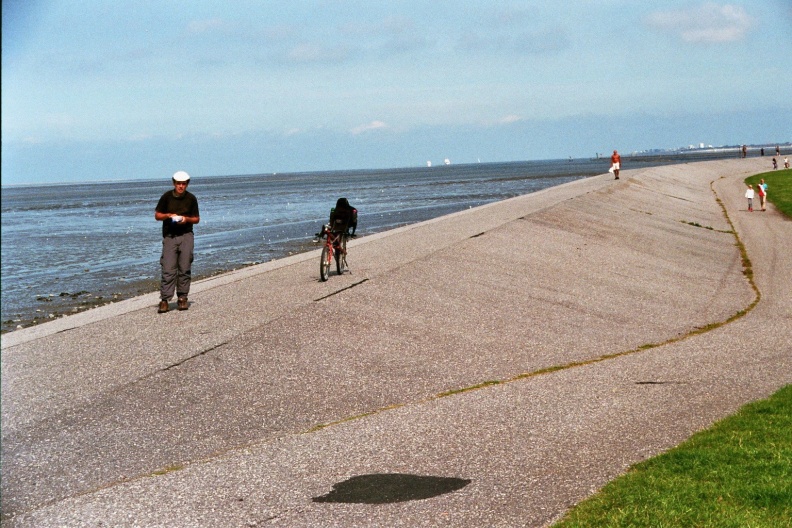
(182, 304)
(163, 306)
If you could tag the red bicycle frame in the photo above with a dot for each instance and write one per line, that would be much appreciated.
(334, 246)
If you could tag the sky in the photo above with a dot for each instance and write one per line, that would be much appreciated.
(101, 91)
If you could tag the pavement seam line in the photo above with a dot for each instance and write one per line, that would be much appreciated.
(190, 358)
(341, 290)
(167, 368)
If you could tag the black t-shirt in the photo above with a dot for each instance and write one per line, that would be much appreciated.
(342, 219)
(184, 205)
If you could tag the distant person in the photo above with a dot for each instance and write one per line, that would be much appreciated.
(775, 163)
(744, 151)
(178, 211)
(763, 185)
(786, 163)
(750, 195)
(761, 151)
(778, 150)
(761, 192)
(615, 164)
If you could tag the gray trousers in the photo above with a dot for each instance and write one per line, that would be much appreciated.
(176, 261)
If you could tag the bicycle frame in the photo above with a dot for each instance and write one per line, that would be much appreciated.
(333, 242)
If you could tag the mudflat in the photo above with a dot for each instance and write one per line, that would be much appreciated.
(490, 367)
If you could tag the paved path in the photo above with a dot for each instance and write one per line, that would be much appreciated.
(280, 400)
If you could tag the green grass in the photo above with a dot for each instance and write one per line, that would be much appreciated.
(779, 188)
(738, 473)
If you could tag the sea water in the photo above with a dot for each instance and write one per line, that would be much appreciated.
(69, 247)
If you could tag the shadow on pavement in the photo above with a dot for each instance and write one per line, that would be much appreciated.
(391, 487)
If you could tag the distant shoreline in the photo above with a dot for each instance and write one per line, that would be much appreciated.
(786, 149)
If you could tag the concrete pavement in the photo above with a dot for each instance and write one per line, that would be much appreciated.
(281, 400)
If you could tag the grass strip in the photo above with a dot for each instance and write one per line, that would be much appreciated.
(737, 473)
(779, 188)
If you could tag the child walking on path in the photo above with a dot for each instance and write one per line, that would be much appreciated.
(750, 195)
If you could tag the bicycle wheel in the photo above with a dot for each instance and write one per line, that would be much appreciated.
(340, 255)
(324, 264)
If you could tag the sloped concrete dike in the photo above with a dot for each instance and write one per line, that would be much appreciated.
(490, 367)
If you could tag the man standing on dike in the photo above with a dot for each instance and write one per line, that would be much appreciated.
(178, 211)
(615, 164)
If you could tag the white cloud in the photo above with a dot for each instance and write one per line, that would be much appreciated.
(307, 53)
(393, 35)
(514, 32)
(59, 120)
(198, 27)
(708, 23)
(374, 125)
(509, 119)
